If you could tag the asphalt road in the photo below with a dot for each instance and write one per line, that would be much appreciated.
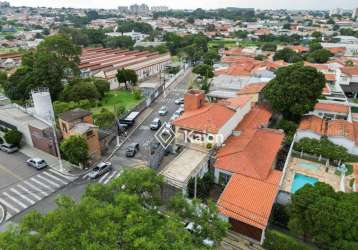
(142, 135)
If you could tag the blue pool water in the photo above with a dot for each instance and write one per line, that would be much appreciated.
(300, 180)
(308, 165)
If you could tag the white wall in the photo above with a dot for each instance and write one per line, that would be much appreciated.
(306, 134)
(217, 172)
(342, 141)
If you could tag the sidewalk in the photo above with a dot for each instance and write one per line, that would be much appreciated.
(52, 161)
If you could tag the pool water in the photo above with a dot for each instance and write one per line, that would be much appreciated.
(300, 180)
(308, 165)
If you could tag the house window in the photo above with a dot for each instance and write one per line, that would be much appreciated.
(224, 178)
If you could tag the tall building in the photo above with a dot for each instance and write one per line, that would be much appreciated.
(123, 9)
(159, 8)
(355, 13)
(336, 11)
(139, 9)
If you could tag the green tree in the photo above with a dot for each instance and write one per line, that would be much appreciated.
(104, 119)
(211, 57)
(13, 136)
(294, 90)
(327, 218)
(119, 110)
(314, 45)
(319, 56)
(288, 55)
(269, 47)
(317, 35)
(102, 86)
(124, 42)
(75, 149)
(80, 90)
(204, 70)
(127, 76)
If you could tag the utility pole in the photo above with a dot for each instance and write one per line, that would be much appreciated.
(58, 152)
(195, 187)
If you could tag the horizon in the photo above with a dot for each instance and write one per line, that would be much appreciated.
(189, 5)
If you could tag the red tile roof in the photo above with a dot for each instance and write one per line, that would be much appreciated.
(252, 153)
(209, 118)
(250, 200)
(337, 50)
(252, 88)
(340, 128)
(352, 71)
(258, 116)
(237, 102)
(313, 123)
(332, 107)
(330, 77)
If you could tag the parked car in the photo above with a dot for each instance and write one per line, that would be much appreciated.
(100, 169)
(156, 123)
(132, 149)
(163, 111)
(173, 117)
(37, 163)
(179, 111)
(8, 148)
(179, 101)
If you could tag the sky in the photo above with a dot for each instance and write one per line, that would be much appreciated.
(193, 4)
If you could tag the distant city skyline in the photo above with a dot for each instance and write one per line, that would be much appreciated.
(189, 4)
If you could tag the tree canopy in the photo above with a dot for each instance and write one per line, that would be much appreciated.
(121, 215)
(204, 70)
(75, 149)
(294, 90)
(127, 76)
(326, 217)
(288, 55)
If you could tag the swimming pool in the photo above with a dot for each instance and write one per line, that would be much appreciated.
(308, 165)
(300, 180)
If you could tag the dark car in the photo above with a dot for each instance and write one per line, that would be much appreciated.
(132, 149)
(8, 148)
(100, 169)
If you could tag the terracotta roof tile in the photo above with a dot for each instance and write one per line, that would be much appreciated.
(249, 200)
(256, 118)
(340, 128)
(252, 153)
(350, 70)
(252, 88)
(209, 118)
(313, 123)
(236, 102)
(332, 107)
(330, 77)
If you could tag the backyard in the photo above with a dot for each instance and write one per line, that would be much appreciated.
(117, 97)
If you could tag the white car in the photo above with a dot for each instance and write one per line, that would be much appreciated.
(37, 163)
(179, 101)
(179, 112)
(174, 116)
(163, 111)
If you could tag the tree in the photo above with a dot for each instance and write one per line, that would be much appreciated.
(314, 45)
(319, 56)
(127, 76)
(104, 119)
(269, 47)
(211, 57)
(294, 90)
(102, 86)
(288, 55)
(204, 70)
(328, 218)
(75, 149)
(80, 90)
(13, 136)
(317, 35)
(287, 26)
(125, 42)
(349, 63)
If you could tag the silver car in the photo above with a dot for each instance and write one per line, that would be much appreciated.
(37, 163)
(163, 111)
(8, 148)
(100, 169)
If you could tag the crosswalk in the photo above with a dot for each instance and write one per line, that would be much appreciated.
(26, 193)
(106, 178)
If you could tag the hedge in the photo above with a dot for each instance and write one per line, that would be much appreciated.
(325, 148)
(275, 240)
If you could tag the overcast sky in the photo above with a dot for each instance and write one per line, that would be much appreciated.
(192, 4)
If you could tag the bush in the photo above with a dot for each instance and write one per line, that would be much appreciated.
(13, 136)
(137, 94)
(322, 147)
(104, 119)
(275, 240)
(203, 186)
(280, 216)
(102, 86)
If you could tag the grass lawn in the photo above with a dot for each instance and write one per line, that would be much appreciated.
(228, 43)
(113, 98)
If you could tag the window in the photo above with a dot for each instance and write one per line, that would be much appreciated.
(224, 178)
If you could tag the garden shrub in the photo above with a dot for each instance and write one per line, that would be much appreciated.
(275, 240)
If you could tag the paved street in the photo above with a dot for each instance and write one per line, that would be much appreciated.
(75, 187)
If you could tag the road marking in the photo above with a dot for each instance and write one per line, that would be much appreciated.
(51, 182)
(41, 184)
(29, 192)
(15, 200)
(8, 216)
(62, 175)
(22, 196)
(103, 177)
(85, 176)
(9, 206)
(2, 218)
(36, 188)
(110, 177)
(55, 178)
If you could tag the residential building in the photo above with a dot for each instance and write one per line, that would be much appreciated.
(159, 8)
(80, 122)
(355, 13)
